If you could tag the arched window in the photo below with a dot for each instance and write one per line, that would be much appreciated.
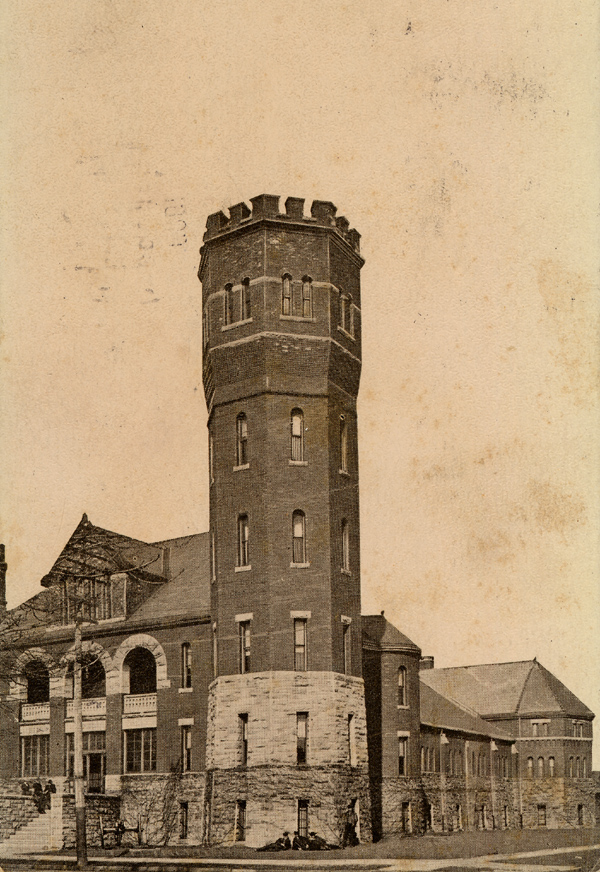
(298, 537)
(286, 295)
(186, 665)
(246, 302)
(570, 767)
(38, 682)
(228, 304)
(584, 767)
(530, 767)
(297, 431)
(243, 541)
(346, 547)
(241, 424)
(343, 444)
(402, 686)
(577, 768)
(540, 767)
(93, 678)
(141, 666)
(551, 767)
(306, 297)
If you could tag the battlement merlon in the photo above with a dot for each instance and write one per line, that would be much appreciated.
(266, 206)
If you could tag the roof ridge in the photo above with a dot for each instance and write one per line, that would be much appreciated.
(528, 676)
(477, 665)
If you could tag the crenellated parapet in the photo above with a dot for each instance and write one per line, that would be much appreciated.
(266, 206)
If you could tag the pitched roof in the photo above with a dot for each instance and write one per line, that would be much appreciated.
(379, 633)
(93, 551)
(438, 711)
(521, 688)
(188, 589)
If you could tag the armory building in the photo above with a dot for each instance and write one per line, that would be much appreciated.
(232, 688)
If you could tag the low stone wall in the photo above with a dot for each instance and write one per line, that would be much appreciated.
(272, 793)
(16, 810)
(562, 798)
(96, 804)
(445, 804)
(155, 801)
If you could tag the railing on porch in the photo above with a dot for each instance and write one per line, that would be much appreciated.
(139, 703)
(92, 784)
(89, 707)
(38, 711)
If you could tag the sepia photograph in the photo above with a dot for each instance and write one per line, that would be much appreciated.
(300, 505)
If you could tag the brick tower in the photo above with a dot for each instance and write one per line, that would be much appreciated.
(286, 734)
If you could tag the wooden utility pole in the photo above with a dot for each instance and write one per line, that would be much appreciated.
(80, 835)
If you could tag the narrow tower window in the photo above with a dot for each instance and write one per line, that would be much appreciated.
(243, 541)
(246, 302)
(307, 297)
(205, 327)
(540, 767)
(343, 444)
(186, 748)
(215, 647)
(300, 645)
(241, 440)
(303, 817)
(551, 767)
(351, 741)
(301, 737)
(244, 632)
(345, 546)
(286, 295)
(348, 323)
(240, 820)
(402, 686)
(298, 537)
(297, 429)
(402, 755)
(228, 304)
(243, 722)
(186, 665)
(347, 646)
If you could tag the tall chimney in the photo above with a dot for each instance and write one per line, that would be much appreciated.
(2, 581)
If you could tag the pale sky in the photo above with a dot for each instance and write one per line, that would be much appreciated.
(461, 140)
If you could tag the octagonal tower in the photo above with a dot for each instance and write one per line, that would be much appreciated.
(286, 738)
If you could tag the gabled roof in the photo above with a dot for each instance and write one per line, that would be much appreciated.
(177, 571)
(438, 711)
(93, 551)
(378, 633)
(523, 688)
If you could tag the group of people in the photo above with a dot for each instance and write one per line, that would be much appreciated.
(42, 796)
(313, 842)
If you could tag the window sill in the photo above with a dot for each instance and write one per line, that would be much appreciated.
(236, 324)
(349, 336)
(241, 466)
(298, 462)
(405, 707)
(345, 571)
(343, 472)
(299, 565)
(243, 568)
(186, 690)
(309, 319)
